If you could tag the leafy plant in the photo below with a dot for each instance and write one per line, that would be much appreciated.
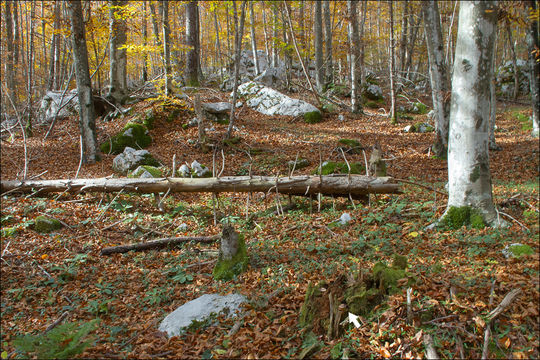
(63, 342)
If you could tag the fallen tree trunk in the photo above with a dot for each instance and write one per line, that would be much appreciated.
(156, 244)
(336, 185)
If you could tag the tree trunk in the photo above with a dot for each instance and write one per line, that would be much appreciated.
(192, 36)
(439, 76)
(328, 47)
(336, 185)
(275, 58)
(356, 96)
(87, 122)
(469, 178)
(8, 66)
(302, 34)
(218, 46)
(117, 55)
(404, 37)
(392, 66)
(534, 66)
(53, 82)
(145, 43)
(265, 33)
(254, 39)
(30, 72)
(318, 30)
(166, 46)
(362, 45)
(514, 59)
(238, 47)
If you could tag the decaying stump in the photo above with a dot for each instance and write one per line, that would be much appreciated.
(326, 305)
(377, 166)
(233, 258)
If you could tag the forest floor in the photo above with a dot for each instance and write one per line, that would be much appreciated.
(46, 275)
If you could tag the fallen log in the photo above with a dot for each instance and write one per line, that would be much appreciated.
(156, 244)
(337, 185)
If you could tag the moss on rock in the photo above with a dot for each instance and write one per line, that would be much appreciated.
(227, 269)
(350, 145)
(456, 217)
(133, 135)
(44, 224)
(418, 108)
(152, 170)
(518, 250)
(313, 117)
(149, 119)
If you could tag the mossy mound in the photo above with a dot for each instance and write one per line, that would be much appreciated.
(149, 119)
(418, 108)
(133, 135)
(361, 294)
(146, 171)
(519, 250)
(350, 145)
(44, 224)
(456, 217)
(227, 269)
(332, 167)
(313, 117)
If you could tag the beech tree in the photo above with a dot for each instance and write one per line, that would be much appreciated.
(317, 29)
(87, 121)
(328, 44)
(117, 53)
(166, 45)
(469, 178)
(192, 38)
(8, 65)
(439, 76)
(534, 64)
(356, 97)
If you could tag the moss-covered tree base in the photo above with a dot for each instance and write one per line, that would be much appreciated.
(324, 305)
(226, 269)
(456, 217)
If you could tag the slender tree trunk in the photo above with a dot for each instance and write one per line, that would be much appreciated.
(328, 44)
(274, 36)
(286, 40)
(87, 122)
(302, 34)
(265, 33)
(54, 68)
(439, 76)
(254, 39)
(469, 178)
(145, 43)
(117, 55)
(155, 30)
(16, 32)
(30, 73)
(192, 36)
(356, 96)
(393, 112)
(166, 46)
(414, 26)
(318, 30)
(534, 65)
(238, 47)
(404, 36)
(362, 45)
(8, 65)
(218, 46)
(514, 60)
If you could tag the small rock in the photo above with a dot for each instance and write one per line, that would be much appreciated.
(341, 117)
(44, 224)
(199, 170)
(183, 171)
(407, 128)
(345, 218)
(182, 227)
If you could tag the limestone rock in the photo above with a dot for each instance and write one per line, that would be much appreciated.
(53, 102)
(146, 172)
(198, 170)
(199, 311)
(217, 107)
(373, 92)
(130, 159)
(271, 102)
(44, 224)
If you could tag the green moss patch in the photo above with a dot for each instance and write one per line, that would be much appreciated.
(133, 135)
(44, 224)
(149, 119)
(519, 250)
(456, 217)
(332, 167)
(313, 117)
(227, 269)
(418, 108)
(146, 169)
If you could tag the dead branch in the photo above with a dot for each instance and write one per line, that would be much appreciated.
(157, 244)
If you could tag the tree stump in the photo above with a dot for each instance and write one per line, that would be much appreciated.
(233, 258)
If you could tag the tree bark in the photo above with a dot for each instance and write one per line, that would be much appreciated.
(192, 36)
(87, 121)
(514, 59)
(8, 66)
(439, 76)
(328, 44)
(275, 58)
(145, 43)
(238, 47)
(469, 178)
(254, 39)
(166, 45)
(218, 45)
(337, 185)
(534, 66)
(392, 66)
(117, 55)
(318, 30)
(356, 96)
